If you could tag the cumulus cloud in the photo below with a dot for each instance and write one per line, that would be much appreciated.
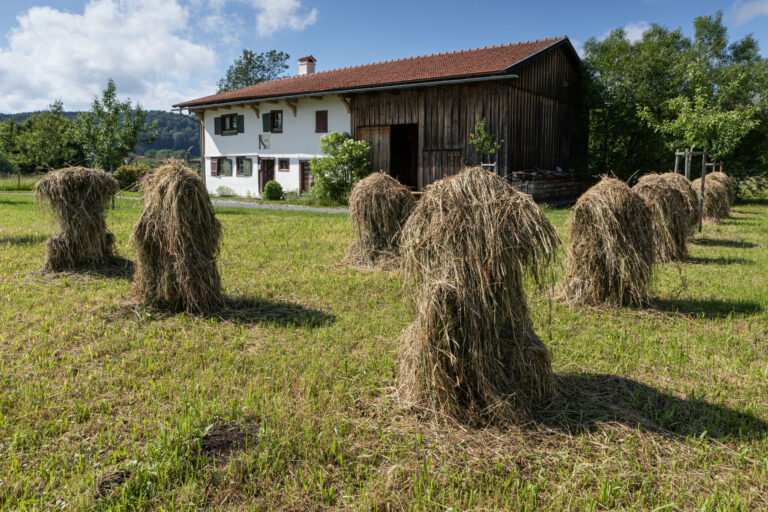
(274, 15)
(142, 44)
(744, 12)
(635, 31)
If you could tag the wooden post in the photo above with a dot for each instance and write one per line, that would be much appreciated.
(687, 163)
(677, 162)
(701, 194)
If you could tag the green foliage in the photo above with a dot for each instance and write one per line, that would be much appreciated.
(111, 130)
(223, 191)
(6, 166)
(484, 141)
(128, 176)
(251, 68)
(668, 91)
(345, 163)
(273, 191)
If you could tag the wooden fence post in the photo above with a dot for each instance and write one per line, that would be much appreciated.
(687, 163)
(701, 194)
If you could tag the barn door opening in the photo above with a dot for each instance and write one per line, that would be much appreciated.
(266, 172)
(404, 147)
(378, 137)
(306, 180)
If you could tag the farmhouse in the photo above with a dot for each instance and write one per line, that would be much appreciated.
(417, 113)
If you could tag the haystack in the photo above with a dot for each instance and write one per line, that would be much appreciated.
(77, 198)
(378, 206)
(716, 199)
(727, 181)
(177, 240)
(611, 249)
(472, 353)
(684, 187)
(670, 216)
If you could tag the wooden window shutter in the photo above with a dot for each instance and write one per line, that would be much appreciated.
(321, 121)
(267, 120)
(215, 165)
(240, 124)
(217, 125)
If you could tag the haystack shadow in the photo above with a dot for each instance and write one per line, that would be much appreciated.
(22, 239)
(244, 310)
(720, 260)
(707, 308)
(116, 267)
(714, 242)
(585, 401)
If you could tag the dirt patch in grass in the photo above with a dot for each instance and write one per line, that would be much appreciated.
(108, 483)
(223, 438)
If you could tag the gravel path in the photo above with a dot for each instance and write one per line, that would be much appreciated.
(236, 204)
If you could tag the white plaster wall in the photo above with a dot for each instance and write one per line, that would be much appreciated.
(298, 141)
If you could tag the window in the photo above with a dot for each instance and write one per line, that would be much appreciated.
(283, 165)
(244, 166)
(230, 124)
(277, 121)
(321, 121)
(221, 167)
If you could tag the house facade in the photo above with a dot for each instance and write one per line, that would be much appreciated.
(416, 113)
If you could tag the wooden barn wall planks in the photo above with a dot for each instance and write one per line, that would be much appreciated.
(536, 116)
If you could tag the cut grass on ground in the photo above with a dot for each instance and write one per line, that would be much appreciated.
(286, 401)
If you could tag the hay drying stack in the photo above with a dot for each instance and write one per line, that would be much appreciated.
(78, 198)
(685, 189)
(670, 216)
(177, 240)
(611, 249)
(727, 181)
(716, 199)
(378, 206)
(472, 353)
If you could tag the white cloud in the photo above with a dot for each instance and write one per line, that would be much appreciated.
(635, 31)
(274, 15)
(578, 45)
(141, 44)
(744, 12)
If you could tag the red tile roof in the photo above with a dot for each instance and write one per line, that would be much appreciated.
(478, 62)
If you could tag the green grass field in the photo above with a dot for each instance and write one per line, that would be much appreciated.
(105, 407)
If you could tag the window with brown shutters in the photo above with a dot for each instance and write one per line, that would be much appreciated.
(214, 166)
(321, 121)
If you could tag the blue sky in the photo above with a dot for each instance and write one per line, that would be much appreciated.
(162, 52)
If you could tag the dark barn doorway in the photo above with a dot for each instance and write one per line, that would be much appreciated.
(266, 172)
(404, 147)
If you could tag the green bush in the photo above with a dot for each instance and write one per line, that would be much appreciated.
(346, 163)
(128, 176)
(6, 166)
(273, 191)
(223, 191)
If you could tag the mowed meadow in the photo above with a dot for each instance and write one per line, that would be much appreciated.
(288, 401)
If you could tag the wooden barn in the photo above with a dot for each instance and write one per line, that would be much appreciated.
(417, 113)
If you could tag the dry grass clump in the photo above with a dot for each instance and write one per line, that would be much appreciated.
(670, 216)
(684, 187)
(77, 198)
(727, 181)
(716, 199)
(472, 353)
(378, 206)
(177, 240)
(611, 247)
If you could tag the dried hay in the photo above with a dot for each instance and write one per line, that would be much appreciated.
(378, 206)
(684, 187)
(472, 353)
(670, 217)
(716, 199)
(611, 250)
(77, 198)
(177, 240)
(726, 180)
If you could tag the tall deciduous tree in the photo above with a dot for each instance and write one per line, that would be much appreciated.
(251, 68)
(112, 128)
(46, 142)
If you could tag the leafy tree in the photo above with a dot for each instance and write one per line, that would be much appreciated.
(111, 130)
(346, 163)
(251, 68)
(46, 142)
(483, 141)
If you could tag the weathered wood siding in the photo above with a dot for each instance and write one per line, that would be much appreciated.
(535, 115)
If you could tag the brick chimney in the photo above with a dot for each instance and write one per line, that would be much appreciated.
(307, 65)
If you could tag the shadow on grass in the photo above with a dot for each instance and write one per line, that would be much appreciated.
(708, 308)
(22, 239)
(713, 242)
(284, 314)
(584, 401)
(116, 268)
(720, 260)
(753, 200)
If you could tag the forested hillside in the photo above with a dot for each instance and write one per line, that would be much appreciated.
(174, 131)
